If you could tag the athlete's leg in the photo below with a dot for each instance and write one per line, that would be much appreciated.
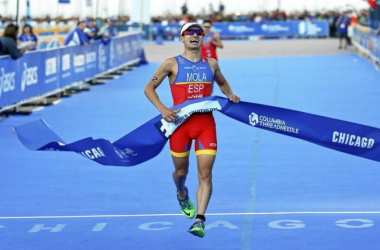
(205, 163)
(181, 169)
(205, 150)
(180, 145)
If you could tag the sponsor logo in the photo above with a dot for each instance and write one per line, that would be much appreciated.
(240, 28)
(79, 60)
(135, 45)
(164, 128)
(129, 152)
(29, 76)
(91, 57)
(127, 47)
(270, 123)
(120, 49)
(65, 75)
(112, 53)
(91, 60)
(7, 81)
(66, 62)
(51, 66)
(180, 60)
(126, 153)
(119, 153)
(93, 153)
(101, 58)
(274, 28)
(308, 28)
(52, 149)
(352, 140)
(253, 119)
(184, 211)
(194, 68)
(195, 96)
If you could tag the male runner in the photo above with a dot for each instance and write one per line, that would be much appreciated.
(211, 41)
(181, 71)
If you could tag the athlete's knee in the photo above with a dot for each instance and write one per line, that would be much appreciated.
(205, 176)
(181, 172)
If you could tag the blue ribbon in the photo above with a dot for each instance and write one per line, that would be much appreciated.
(148, 140)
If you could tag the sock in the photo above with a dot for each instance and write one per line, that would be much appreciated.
(200, 216)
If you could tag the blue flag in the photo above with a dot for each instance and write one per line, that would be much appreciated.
(148, 140)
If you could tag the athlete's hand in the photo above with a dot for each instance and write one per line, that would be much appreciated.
(234, 98)
(169, 115)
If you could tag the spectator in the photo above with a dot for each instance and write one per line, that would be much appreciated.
(8, 42)
(363, 19)
(221, 8)
(108, 31)
(91, 30)
(184, 9)
(353, 20)
(332, 18)
(211, 9)
(211, 41)
(77, 36)
(28, 37)
(342, 26)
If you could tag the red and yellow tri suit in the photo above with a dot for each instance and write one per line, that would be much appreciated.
(193, 81)
(208, 49)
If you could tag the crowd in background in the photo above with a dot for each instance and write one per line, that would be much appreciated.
(48, 21)
(264, 16)
(16, 43)
(218, 15)
(89, 30)
(361, 17)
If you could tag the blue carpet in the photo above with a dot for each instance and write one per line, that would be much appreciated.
(270, 191)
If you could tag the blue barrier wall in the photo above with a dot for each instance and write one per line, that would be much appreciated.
(266, 29)
(366, 40)
(375, 45)
(41, 72)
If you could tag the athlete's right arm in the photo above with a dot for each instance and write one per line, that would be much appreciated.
(217, 42)
(165, 69)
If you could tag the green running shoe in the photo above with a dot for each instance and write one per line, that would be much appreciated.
(198, 229)
(187, 206)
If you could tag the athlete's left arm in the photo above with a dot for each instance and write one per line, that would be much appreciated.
(217, 42)
(222, 82)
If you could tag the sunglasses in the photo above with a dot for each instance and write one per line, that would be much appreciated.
(206, 27)
(191, 32)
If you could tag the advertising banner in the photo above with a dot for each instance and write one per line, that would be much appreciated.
(148, 140)
(8, 92)
(43, 71)
(235, 30)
